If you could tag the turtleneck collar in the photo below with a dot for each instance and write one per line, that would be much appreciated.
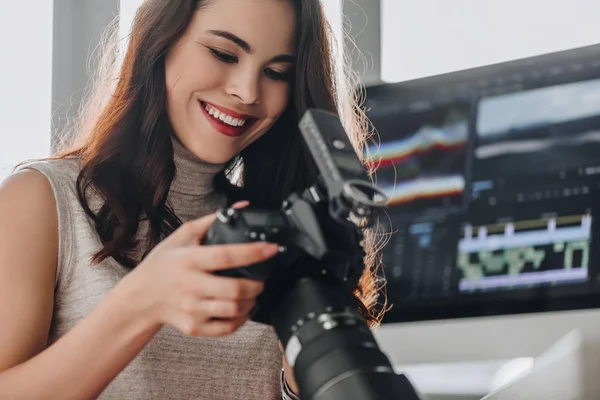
(193, 177)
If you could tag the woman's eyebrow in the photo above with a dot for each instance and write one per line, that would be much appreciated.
(242, 44)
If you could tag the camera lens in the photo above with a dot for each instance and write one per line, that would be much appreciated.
(331, 348)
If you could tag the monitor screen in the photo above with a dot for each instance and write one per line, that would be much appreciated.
(495, 196)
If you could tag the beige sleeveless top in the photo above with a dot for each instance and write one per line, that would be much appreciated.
(244, 365)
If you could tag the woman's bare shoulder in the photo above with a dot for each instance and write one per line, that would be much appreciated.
(28, 259)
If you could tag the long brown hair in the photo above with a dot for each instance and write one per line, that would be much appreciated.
(127, 155)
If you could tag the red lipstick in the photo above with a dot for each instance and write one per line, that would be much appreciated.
(222, 127)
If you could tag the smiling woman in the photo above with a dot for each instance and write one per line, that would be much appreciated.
(232, 65)
(119, 286)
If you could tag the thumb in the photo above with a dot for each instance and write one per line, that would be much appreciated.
(240, 204)
(192, 232)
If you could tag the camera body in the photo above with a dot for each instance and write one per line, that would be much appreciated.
(310, 245)
(308, 295)
(314, 229)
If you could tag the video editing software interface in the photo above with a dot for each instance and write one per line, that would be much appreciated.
(494, 180)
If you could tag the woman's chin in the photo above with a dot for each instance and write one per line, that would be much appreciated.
(212, 157)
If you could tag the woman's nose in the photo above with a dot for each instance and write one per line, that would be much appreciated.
(245, 87)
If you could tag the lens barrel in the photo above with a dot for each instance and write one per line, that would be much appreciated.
(332, 350)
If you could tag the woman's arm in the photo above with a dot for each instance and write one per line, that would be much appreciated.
(82, 363)
(175, 285)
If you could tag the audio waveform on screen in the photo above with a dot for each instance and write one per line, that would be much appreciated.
(425, 188)
(426, 140)
(409, 167)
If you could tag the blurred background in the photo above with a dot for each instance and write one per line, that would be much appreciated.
(488, 114)
(47, 43)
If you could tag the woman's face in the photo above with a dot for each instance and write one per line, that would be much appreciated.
(228, 77)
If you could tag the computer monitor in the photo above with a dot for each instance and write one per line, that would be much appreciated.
(494, 180)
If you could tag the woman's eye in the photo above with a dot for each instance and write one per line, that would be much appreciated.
(277, 75)
(224, 57)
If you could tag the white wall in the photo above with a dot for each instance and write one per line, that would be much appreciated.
(25, 81)
(428, 37)
(127, 9)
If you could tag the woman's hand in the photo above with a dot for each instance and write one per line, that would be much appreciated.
(176, 285)
(289, 373)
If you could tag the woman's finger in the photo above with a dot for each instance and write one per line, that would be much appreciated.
(226, 309)
(222, 327)
(205, 285)
(226, 256)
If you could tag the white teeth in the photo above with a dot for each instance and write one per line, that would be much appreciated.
(228, 119)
